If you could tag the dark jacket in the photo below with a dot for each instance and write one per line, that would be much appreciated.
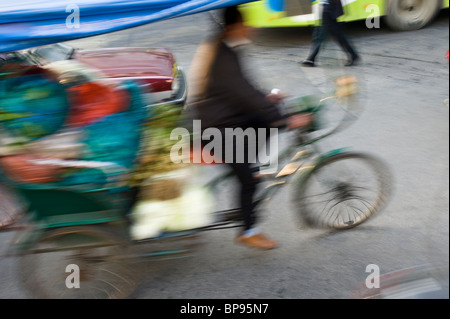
(336, 8)
(229, 99)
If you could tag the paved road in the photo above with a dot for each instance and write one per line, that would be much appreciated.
(405, 121)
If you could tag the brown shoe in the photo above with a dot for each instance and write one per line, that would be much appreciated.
(258, 241)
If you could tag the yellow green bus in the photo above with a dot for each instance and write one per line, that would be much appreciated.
(402, 15)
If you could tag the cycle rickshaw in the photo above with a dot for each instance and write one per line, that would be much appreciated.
(87, 225)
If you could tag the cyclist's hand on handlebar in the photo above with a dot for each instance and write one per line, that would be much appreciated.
(299, 120)
(276, 97)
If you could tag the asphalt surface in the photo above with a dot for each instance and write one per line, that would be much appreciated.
(405, 122)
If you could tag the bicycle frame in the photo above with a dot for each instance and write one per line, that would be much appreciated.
(301, 157)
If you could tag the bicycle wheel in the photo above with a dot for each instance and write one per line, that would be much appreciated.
(343, 191)
(79, 262)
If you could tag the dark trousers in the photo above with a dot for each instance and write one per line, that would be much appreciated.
(247, 190)
(329, 26)
(244, 171)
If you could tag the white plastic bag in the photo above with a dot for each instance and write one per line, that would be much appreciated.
(192, 208)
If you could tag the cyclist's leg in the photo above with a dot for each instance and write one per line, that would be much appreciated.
(240, 163)
(247, 189)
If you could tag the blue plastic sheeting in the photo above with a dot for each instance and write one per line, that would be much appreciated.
(30, 23)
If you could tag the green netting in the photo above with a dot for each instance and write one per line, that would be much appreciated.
(32, 106)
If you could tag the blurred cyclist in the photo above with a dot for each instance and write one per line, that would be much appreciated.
(222, 97)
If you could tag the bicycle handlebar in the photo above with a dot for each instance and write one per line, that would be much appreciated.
(345, 98)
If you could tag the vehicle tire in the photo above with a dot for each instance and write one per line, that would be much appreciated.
(407, 15)
(98, 259)
(343, 191)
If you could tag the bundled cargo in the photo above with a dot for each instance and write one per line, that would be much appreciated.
(154, 158)
(172, 196)
(32, 106)
(171, 202)
(65, 124)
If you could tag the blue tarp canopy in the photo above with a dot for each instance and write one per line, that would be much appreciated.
(31, 23)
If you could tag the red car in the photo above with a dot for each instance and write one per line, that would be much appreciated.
(155, 68)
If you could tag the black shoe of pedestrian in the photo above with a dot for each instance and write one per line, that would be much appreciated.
(307, 63)
(354, 61)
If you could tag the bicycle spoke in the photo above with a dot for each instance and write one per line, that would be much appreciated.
(105, 271)
(114, 274)
(356, 208)
(356, 191)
